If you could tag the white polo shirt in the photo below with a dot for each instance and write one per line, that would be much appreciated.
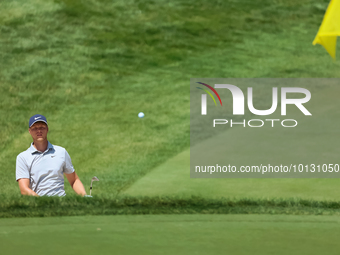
(45, 169)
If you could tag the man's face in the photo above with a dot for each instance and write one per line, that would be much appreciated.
(38, 131)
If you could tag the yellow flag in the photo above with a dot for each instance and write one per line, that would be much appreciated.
(330, 28)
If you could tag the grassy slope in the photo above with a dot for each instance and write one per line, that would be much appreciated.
(311, 142)
(91, 67)
(173, 179)
(172, 234)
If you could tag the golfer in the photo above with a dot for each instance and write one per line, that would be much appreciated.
(40, 169)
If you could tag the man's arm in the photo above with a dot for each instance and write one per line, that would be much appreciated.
(76, 184)
(24, 187)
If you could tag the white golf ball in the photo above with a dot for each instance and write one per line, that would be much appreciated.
(141, 115)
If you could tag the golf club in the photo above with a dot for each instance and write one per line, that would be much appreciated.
(92, 180)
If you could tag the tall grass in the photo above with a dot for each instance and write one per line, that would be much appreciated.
(110, 205)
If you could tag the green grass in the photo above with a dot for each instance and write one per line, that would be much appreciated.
(172, 234)
(312, 141)
(110, 205)
(91, 66)
(173, 179)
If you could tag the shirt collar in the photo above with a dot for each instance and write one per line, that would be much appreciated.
(33, 150)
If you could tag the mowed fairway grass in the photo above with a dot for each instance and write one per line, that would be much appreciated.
(172, 234)
(312, 141)
(91, 66)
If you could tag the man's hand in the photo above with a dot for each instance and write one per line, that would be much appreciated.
(76, 184)
(24, 184)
